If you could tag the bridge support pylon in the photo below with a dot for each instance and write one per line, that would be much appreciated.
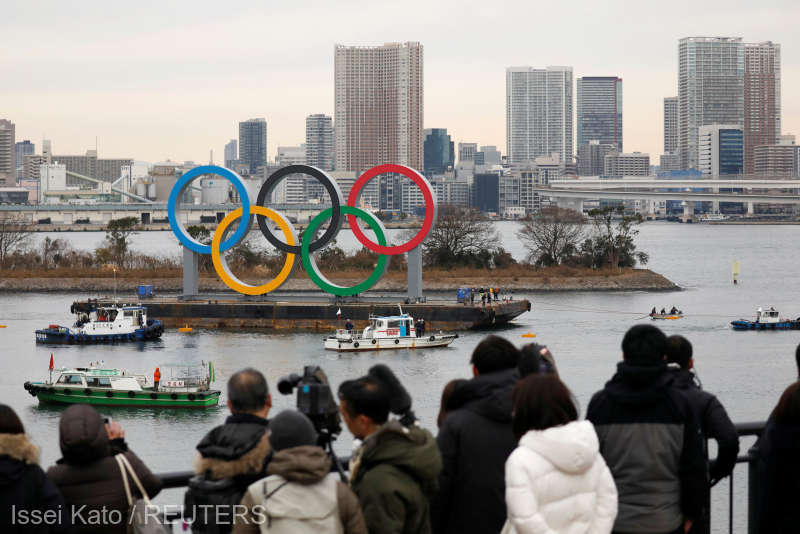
(191, 267)
(415, 274)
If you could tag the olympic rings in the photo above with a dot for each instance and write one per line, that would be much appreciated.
(431, 208)
(221, 265)
(177, 193)
(337, 200)
(294, 247)
(310, 263)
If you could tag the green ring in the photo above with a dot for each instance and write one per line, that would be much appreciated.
(310, 265)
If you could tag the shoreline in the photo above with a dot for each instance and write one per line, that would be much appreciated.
(437, 282)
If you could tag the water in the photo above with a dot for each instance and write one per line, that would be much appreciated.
(746, 370)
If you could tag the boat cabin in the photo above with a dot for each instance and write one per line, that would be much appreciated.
(389, 327)
(767, 316)
(82, 377)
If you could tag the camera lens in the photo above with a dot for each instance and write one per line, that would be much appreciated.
(287, 383)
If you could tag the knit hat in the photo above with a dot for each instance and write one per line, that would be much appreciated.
(291, 428)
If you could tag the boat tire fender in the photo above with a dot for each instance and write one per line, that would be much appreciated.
(201, 396)
(191, 396)
(355, 344)
(153, 396)
(174, 396)
(87, 392)
(67, 391)
(432, 338)
(396, 341)
(109, 394)
(374, 341)
(131, 394)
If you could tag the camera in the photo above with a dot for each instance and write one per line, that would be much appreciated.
(315, 399)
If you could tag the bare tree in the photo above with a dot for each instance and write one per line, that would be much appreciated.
(552, 236)
(14, 234)
(460, 236)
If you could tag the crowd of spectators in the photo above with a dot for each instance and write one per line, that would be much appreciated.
(511, 455)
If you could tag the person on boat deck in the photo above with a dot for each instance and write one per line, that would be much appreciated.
(421, 328)
(674, 310)
(653, 311)
(156, 379)
(663, 311)
(348, 325)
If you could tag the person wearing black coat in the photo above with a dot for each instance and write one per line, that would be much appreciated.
(26, 493)
(778, 467)
(89, 476)
(475, 440)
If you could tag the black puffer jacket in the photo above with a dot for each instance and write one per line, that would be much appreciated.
(778, 470)
(714, 421)
(88, 476)
(24, 488)
(475, 441)
(239, 449)
(653, 445)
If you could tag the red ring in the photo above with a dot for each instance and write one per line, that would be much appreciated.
(427, 194)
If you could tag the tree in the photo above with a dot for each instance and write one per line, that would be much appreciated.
(613, 241)
(14, 234)
(118, 234)
(552, 236)
(461, 236)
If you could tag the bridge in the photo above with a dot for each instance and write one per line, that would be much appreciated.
(749, 191)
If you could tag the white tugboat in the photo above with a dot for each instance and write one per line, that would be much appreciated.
(386, 332)
(109, 324)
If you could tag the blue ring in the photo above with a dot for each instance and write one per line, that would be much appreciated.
(177, 191)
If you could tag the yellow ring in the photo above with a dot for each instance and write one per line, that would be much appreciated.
(227, 277)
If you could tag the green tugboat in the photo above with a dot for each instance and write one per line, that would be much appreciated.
(184, 386)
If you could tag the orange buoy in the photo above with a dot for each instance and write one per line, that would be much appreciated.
(528, 335)
(186, 328)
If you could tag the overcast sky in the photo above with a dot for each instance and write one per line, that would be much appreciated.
(160, 79)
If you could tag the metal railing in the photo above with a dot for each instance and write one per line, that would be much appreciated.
(180, 479)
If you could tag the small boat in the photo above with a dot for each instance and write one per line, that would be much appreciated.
(105, 324)
(714, 217)
(188, 386)
(767, 320)
(386, 332)
(667, 316)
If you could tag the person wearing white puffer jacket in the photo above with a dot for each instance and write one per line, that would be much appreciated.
(556, 480)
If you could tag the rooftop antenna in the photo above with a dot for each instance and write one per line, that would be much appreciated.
(211, 157)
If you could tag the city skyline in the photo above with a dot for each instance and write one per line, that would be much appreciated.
(157, 91)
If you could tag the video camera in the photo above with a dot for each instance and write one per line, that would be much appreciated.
(315, 400)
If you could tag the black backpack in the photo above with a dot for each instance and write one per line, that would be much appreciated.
(209, 504)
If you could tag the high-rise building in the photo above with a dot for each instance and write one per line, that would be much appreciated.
(8, 167)
(671, 125)
(21, 149)
(710, 89)
(599, 106)
(230, 153)
(762, 98)
(538, 113)
(319, 141)
(90, 165)
(253, 143)
(670, 162)
(782, 159)
(466, 152)
(438, 150)
(379, 106)
(591, 157)
(490, 155)
(632, 164)
(486, 192)
(720, 150)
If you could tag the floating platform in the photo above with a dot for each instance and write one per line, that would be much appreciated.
(320, 316)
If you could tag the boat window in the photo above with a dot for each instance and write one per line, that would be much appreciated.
(98, 382)
(129, 313)
(69, 379)
(395, 323)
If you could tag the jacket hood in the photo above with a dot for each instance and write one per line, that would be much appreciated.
(412, 450)
(239, 447)
(307, 464)
(639, 384)
(572, 448)
(16, 450)
(82, 435)
(488, 395)
(682, 379)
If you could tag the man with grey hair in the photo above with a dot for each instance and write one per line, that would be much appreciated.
(231, 456)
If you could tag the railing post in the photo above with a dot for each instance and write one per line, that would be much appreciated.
(752, 491)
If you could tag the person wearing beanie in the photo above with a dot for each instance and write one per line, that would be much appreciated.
(650, 439)
(300, 494)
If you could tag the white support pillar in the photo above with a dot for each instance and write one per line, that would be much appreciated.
(415, 274)
(190, 273)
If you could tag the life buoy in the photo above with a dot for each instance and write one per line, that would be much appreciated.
(153, 396)
(174, 396)
(356, 344)
(109, 394)
(432, 338)
(131, 394)
(374, 341)
(396, 341)
(191, 396)
(87, 392)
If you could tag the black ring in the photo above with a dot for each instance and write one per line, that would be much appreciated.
(337, 200)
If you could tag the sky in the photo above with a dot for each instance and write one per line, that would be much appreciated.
(152, 80)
